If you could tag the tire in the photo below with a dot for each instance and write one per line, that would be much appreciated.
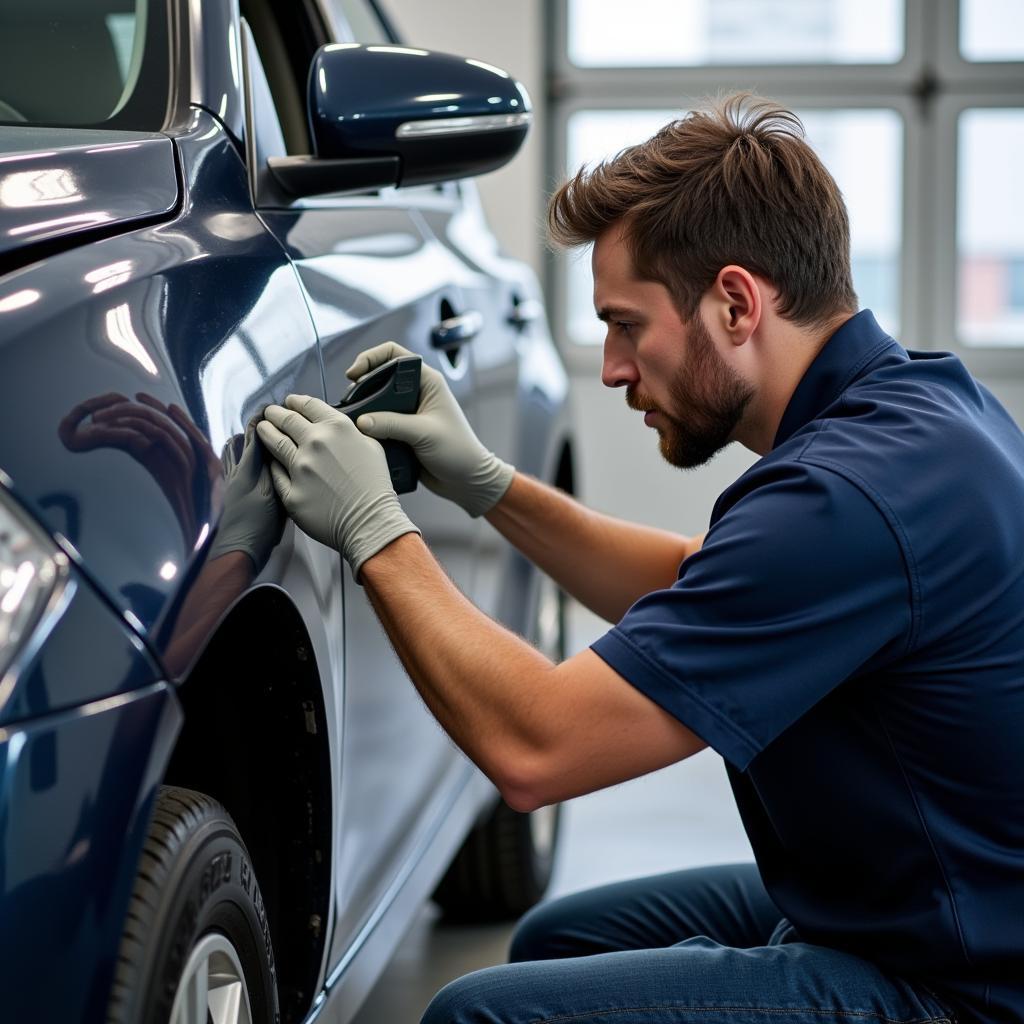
(505, 865)
(196, 920)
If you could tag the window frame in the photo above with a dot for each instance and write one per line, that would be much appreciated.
(987, 360)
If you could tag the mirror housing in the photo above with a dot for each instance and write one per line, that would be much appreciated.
(396, 115)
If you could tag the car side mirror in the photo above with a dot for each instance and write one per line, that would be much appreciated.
(396, 115)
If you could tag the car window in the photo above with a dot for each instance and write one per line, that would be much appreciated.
(287, 36)
(84, 63)
(356, 21)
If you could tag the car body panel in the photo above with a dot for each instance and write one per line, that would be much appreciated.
(51, 679)
(369, 288)
(144, 313)
(454, 812)
(212, 57)
(522, 406)
(371, 274)
(76, 789)
(56, 182)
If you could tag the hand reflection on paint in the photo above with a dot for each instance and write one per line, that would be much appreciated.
(161, 438)
(164, 440)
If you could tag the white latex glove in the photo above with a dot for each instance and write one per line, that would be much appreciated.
(455, 464)
(333, 481)
(253, 519)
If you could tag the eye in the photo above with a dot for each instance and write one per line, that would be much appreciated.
(624, 325)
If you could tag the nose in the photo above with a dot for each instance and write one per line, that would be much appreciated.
(617, 370)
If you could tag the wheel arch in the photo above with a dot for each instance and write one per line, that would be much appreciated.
(255, 738)
(565, 468)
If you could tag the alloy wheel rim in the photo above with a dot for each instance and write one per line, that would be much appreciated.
(212, 986)
(550, 640)
(543, 823)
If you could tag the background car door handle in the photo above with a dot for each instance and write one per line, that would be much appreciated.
(524, 312)
(457, 330)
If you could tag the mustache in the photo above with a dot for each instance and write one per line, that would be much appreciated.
(638, 402)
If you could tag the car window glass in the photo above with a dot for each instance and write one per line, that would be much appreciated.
(356, 21)
(84, 62)
(287, 37)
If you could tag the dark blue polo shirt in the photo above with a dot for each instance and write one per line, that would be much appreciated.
(850, 639)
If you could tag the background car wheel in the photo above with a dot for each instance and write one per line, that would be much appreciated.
(196, 945)
(506, 862)
(504, 866)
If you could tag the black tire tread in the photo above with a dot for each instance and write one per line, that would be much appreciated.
(176, 814)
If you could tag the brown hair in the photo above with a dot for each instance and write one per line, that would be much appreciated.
(733, 183)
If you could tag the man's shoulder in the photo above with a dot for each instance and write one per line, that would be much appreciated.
(800, 473)
(922, 427)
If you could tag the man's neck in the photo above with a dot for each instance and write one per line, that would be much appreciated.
(787, 353)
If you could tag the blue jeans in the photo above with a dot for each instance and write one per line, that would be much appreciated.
(706, 946)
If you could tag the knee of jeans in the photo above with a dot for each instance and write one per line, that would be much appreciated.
(468, 999)
(534, 935)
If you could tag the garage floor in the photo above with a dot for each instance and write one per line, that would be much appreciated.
(680, 817)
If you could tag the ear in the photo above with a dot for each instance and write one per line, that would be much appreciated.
(738, 301)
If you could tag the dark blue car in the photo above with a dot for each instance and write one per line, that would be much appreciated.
(220, 797)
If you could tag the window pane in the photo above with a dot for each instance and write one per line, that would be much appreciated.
(990, 227)
(594, 135)
(863, 149)
(101, 63)
(356, 21)
(685, 33)
(992, 30)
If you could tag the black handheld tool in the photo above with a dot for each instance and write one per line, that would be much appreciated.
(393, 387)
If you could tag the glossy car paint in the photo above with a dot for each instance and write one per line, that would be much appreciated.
(352, 116)
(145, 313)
(204, 303)
(370, 275)
(55, 183)
(76, 786)
(521, 388)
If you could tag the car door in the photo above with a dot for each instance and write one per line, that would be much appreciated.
(372, 272)
(504, 296)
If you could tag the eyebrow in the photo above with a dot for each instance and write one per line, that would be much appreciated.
(606, 313)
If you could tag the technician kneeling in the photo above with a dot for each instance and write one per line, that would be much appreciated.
(849, 636)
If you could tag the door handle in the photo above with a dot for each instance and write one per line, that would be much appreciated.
(456, 330)
(525, 312)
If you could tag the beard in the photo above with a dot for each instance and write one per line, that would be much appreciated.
(709, 397)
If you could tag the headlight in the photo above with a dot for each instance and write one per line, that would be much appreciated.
(33, 576)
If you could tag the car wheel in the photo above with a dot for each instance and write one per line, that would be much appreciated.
(506, 862)
(196, 946)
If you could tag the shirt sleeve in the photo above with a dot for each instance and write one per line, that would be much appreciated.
(800, 586)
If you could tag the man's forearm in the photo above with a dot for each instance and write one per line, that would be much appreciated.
(541, 732)
(481, 682)
(603, 562)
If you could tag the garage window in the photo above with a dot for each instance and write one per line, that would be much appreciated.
(915, 106)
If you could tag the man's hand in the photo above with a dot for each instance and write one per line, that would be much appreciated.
(333, 481)
(253, 519)
(456, 465)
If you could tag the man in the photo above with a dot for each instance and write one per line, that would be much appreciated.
(849, 634)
